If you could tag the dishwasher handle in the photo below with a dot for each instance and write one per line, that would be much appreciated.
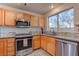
(66, 42)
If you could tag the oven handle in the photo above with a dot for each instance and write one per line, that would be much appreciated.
(23, 39)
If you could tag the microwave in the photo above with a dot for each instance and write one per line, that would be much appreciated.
(23, 23)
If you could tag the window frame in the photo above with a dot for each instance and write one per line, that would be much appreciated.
(58, 27)
(51, 16)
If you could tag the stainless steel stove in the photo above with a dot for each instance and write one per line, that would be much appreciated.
(23, 44)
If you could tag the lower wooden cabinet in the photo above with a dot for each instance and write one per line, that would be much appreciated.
(2, 47)
(51, 45)
(7, 47)
(10, 48)
(46, 43)
(36, 42)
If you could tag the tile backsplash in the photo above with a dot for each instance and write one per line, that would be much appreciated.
(15, 30)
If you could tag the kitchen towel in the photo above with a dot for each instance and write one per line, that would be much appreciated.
(25, 42)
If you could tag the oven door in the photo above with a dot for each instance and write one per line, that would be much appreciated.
(23, 44)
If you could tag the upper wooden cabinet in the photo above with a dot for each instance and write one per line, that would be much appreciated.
(27, 16)
(34, 20)
(10, 18)
(37, 21)
(19, 16)
(41, 21)
(1, 17)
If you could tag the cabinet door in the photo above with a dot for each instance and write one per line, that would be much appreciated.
(1, 17)
(1, 47)
(27, 16)
(10, 18)
(34, 21)
(10, 47)
(41, 21)
(43, 42)
(19, 16)
(36, 42)
(51, 46)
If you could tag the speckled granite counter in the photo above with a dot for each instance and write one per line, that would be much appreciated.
(73, 39)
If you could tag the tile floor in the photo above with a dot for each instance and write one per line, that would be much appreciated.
(39, 52)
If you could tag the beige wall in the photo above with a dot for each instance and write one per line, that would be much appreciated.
(61, 8)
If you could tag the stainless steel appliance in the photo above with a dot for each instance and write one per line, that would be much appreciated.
(66, 48)
(23, 23)
(23, 44)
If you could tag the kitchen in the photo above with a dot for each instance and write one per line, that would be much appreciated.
(39, 29)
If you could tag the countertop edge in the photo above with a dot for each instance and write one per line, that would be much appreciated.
(54, 36)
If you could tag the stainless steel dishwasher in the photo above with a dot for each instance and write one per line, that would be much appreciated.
(59, 47)
(66, 48)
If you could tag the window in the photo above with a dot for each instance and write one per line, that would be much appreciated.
(66, 19)
(62, 20)
(53, 21)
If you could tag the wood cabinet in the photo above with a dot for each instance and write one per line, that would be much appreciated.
(1, 17)
(10, 47)
(27, 16)
(51, 45)
(7, 47)
(10, 18)
(36, 42)
(34, 21)
(19, 16)
(2, 47)
(37, 21)
(44, 42)
(41, 21)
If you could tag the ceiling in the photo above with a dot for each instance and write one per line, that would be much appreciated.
(40, 8)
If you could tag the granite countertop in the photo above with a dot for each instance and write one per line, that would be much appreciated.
(3, 35)
(74, 39)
